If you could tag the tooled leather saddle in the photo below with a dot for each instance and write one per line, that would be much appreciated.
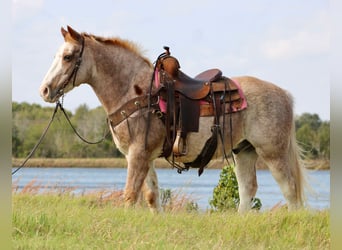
(184, 99)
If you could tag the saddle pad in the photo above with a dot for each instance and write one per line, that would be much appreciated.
(242, 96)
(238, 103)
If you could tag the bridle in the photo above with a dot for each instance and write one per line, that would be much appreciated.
(73, 73)
(60, 106)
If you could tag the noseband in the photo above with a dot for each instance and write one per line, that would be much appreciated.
(74, 71)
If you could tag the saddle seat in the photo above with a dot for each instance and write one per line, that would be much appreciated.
(198, 87)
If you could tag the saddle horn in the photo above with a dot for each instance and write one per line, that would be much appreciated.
(167, 50)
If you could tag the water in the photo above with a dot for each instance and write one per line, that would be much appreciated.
(198, 188)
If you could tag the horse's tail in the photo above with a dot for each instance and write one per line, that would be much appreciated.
(297, 166)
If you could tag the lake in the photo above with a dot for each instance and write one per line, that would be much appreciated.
(188, 183)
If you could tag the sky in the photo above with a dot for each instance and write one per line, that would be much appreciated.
(286, 42)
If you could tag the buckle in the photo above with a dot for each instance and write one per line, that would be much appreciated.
(158, 113)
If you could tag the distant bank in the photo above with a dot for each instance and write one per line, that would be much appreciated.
(121, 163)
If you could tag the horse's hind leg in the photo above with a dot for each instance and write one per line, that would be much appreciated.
(151, 190)
(246, 177)
(286, 179)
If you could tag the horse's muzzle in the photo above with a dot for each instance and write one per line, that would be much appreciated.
(48, 94)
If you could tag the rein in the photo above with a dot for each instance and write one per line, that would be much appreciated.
(58, 106)
(39, 141)
(78, 134)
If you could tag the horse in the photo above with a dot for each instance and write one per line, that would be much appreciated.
(118, 72)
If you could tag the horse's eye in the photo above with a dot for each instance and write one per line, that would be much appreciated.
(67, 58)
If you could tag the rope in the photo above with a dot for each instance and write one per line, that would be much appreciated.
(58, 105)
(39, 141)
(75, 131)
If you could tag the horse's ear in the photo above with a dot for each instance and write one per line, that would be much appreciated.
(64, 32)
(74, 34)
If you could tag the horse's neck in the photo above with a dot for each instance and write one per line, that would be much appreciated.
(118, 75)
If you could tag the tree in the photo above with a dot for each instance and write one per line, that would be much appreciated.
(312, 120)
(307, 138)
(16, 142)
(29, 121)
(324, 139)
(313, 134)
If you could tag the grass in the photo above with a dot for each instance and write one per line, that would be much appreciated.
(60, 220)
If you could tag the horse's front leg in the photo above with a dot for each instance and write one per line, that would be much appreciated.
(137, 169)
(151, 190)
(141, 176)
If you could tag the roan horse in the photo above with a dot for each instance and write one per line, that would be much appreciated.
(118, 73)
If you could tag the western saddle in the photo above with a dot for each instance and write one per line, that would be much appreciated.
(186, 100)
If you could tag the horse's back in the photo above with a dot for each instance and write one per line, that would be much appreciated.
(265, 98)
(256, 87)
(269, 113)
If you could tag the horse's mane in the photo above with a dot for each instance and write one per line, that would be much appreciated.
(116, 41)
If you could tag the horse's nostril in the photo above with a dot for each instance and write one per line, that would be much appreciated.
(46, 91)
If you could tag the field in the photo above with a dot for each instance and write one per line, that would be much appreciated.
(98, 221)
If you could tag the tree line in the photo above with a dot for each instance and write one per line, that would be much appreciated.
(29, 121)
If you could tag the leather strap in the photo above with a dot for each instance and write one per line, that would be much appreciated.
(133, 105)
(207, 109)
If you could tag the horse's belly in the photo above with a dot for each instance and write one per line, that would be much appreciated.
(196, 140)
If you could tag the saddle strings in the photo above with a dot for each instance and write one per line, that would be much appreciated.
(231, 126)
(219, 129)
(226, 82)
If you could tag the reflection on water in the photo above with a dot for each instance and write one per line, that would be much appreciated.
(199, 188)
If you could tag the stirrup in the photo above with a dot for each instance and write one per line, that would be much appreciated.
(180, 146)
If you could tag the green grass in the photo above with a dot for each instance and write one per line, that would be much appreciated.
(63, 221)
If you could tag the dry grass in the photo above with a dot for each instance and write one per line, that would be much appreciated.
(174, 201)
(121, 163)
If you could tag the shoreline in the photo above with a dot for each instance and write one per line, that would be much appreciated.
(121, 163)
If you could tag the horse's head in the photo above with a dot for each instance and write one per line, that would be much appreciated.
(65, 72)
